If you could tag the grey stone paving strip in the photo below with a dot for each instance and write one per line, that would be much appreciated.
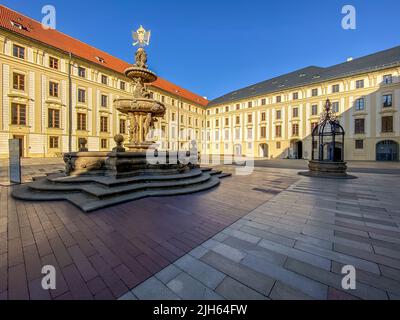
(294, 247)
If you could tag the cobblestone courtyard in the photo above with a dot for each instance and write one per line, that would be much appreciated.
(271, 235)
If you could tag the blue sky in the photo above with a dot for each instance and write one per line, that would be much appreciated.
(214, 47)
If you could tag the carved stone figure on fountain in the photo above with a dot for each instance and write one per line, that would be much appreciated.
(141, 58)
(147, 125)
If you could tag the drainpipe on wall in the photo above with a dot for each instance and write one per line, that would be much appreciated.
(69, 104)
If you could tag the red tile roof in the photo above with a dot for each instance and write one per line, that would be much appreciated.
(34, 30)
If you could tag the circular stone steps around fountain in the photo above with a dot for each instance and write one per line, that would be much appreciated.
(95, 192)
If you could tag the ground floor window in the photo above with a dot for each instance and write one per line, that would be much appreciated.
(387, 124)
(359, 144)
(18, 114)
(104, 143)
(54, 142)
(278, 144)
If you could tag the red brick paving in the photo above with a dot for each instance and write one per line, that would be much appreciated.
(104, 254)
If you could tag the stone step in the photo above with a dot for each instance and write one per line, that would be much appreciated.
(112, 182)
(89, 203)
(101, 191)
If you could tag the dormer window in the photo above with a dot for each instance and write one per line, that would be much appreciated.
(100, 59)
(316, 76)
(302, 75)
(18, 25)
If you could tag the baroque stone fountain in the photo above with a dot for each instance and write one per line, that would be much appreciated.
(132, 170)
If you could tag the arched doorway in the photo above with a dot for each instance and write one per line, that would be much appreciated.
(387, 150)
(238, 149)
(263, 150)
(296, 149)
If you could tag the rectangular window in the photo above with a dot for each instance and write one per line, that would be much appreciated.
(53, 142)
(359, 84)
(335, 107)
(250, 104)
(226, 109)
(278, 131)
(18, 114)
(278, 114)
(208, 123)
(314, 110)
(313, 125)
(54, 118)
(314, 92)
(278, 99)
(278, 144)
(263, 132)
(360, 104)
(237, 120)
(81, 121)
(359, 126)
(263, 102)
(227, 134)
(173, 116)
(217, 111)
(335, 88)
(387, 100)
(122, 126)
(182, 119)
(104, 143)
(388, 79)
(249, 118)
(82, 72)
(359, 144)
(19, 81)
(53, 89)
(237, 134)
(104, 79)
(249, 133)
(18, 52)
(217, 123)
(387, 124)
(295, 130)
(122, 85)
(226, 121)
(104, 101)
(295, 112)
(103, 124)
(295, 95)
(53, 63)
(81, 95)
(263, 116)
(238, 106)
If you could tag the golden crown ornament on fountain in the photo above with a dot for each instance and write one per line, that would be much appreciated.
(142, 110)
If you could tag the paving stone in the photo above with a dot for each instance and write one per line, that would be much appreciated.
(269, 236)
(391, 273)
(297, 254)
(334, 294)
(154, 289)
(242, 235)
(128, 296)
(256, 250)
(281, 291)
(220, 237)
(202, 272)
(308, 286)
(198, 252)
(229, 252)
(334, 280)
(167, 274)
(251, 278)
(234, 290)
(336, 256)
(187, 287)
(387, 252)
(371, 279)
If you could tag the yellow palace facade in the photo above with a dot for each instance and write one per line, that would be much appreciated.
(57, 92)
(278, 121)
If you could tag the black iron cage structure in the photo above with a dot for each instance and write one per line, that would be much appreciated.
(328, 138)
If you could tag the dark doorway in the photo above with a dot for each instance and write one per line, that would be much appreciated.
(21, 145)
(299, 147)
(387, 150)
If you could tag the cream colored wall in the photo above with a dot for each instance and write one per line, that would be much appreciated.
(373, 92)
(37, 76)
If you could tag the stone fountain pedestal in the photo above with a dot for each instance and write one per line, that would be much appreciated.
(134, 170)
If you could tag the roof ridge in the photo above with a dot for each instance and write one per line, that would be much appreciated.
(117, 64)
